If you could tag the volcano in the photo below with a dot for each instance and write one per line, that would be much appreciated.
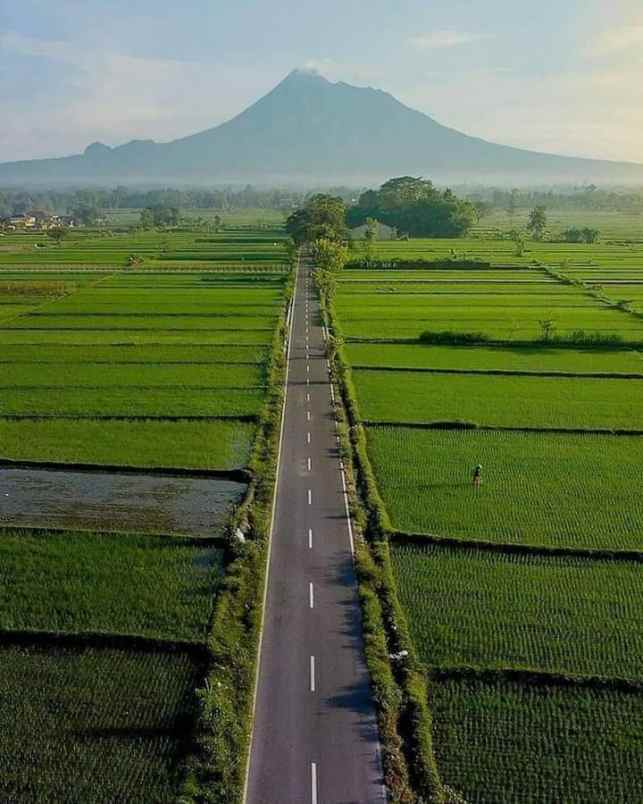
(310, 130)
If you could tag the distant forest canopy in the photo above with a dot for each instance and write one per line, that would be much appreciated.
(415, 207)
(587, 197)
(16, 200)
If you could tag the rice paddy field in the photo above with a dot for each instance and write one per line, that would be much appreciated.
(522, 595)
(130, 400)
(617, 252)
(94, 723)
(511, 741)
(260, 250)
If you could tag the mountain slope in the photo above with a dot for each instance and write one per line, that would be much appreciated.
(309, 129)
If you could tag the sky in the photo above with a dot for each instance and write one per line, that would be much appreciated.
(561, 76)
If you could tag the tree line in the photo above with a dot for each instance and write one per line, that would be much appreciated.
(15, 201)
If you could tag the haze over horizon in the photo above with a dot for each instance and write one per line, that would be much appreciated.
(559, 79)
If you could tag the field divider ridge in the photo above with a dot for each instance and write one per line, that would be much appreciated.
(599, 375)
(239, 475)
(102, 639)
(466, 425)
(531, 675)
(515, 548)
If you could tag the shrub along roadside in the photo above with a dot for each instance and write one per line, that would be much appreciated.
(398, 679)
(215, 772)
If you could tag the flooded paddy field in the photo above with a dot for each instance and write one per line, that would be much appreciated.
(147, 503)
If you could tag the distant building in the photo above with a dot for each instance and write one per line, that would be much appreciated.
(16, 222)
(384, 232)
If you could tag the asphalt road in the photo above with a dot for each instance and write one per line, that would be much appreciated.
(315, 735)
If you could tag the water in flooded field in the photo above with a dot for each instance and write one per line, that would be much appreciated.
(112, 501)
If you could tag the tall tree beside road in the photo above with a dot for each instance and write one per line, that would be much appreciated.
(322, 217)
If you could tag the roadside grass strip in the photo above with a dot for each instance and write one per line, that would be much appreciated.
(559, 614)
(508, 741)
(94, 724)
(66, 581)
(553, 490)
(500, 401)
(220, 445)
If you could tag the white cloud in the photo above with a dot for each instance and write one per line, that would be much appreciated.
(443, 39)
(595, 113)
(115, 97)
(618, 39)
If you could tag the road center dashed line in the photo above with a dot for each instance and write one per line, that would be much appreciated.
(313, 782)
(312, 674)
(311, 595)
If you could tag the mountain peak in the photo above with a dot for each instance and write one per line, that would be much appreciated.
(304, 76)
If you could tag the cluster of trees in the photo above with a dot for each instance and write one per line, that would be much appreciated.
(321, 223)
(415, 207)
(576, 235)
(160, 215)
(321, 217)
(537, 227)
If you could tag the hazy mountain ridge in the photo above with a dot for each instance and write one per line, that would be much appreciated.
(309, 129)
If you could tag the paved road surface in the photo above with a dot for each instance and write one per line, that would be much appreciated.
(315, 736)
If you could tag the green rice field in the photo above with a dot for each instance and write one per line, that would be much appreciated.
(98, 582)
(507, 742)
(560, 614)
(148, 443)
(556, 490)
(511, 588)
(500, 401)
(536, 359)
(94, 724)
(161, 370)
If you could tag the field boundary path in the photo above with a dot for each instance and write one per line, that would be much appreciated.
(315, 736)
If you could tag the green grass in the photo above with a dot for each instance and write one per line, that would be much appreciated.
(156, 402)
(128, 337)
(543, 489)
(78, 581)
(506, 401)
(84, 247)
(221, 445)
(557, 614)
(152, 355)
(47, 321)
(76, 376)
(503, 252)
(93, 725)
(509, 742)
(480, 358)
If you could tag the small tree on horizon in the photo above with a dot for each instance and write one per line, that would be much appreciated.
(537, 222)
(58, 234)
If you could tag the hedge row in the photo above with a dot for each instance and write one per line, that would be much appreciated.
(417, 263)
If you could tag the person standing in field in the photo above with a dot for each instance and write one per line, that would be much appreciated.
(476, 475)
